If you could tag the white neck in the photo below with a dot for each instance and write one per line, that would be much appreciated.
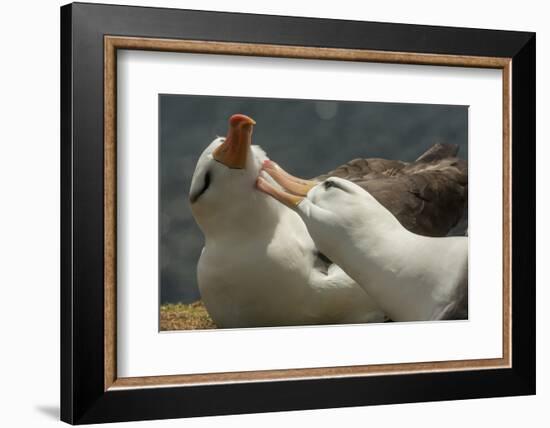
(257, 216)
(411, 277)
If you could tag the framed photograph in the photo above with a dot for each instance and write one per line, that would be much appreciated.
(266, 213)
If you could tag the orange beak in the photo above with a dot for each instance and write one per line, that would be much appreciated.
(286, 198)
(295, 185)
(233, 151)
(297, 188)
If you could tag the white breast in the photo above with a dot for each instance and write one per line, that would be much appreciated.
(266, 277)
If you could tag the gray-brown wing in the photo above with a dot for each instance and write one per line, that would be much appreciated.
(365, 169)
(428, 196)
(429, 199)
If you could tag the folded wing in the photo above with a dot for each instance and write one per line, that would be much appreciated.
(428, 196)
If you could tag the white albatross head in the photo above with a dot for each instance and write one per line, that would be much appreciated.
(223, 195)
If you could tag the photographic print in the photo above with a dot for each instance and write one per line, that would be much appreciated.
(293, 212)
(298, 199)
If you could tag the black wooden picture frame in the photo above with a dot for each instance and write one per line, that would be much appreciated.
(84, 398)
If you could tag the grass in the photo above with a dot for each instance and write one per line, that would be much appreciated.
(180, 316)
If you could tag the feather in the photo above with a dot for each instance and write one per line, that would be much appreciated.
(428, 196)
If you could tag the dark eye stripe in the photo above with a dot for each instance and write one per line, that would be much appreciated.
(194, 197)
(329, 183)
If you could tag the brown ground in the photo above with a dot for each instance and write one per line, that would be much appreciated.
(185, 317)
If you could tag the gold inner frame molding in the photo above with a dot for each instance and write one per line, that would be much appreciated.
(113, 43)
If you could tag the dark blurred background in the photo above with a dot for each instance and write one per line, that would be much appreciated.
(307, 137)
